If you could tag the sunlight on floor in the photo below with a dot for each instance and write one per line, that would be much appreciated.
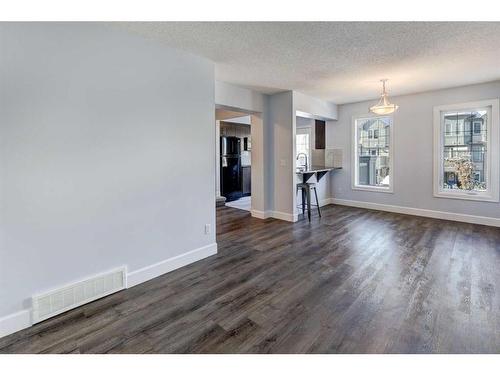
(244, 203)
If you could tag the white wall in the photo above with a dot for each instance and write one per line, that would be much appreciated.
(217, 159)
(282, 122)
(260, 160)
(106, 155)
(234, 96)
(307, 106)
(413, 151)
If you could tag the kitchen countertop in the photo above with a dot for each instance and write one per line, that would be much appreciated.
(316, 168)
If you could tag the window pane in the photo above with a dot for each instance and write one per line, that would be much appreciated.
(302, 147)
(464, 151)
(373, 142)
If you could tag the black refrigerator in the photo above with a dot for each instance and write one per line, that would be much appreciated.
(230, 168)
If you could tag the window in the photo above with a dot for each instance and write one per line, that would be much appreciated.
(466, 163)
(303, 145)
(477, 128)
(478, 154)
(372, 153)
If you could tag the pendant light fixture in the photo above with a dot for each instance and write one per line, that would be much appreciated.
(383, 107)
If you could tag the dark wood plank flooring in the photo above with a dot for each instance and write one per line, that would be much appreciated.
(354, 281)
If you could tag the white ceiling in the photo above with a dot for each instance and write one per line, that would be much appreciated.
(339, 61)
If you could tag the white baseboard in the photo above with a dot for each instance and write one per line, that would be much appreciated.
(22, 319)
(167, 265)
(261, 214)
(325, 202)
(285, 216)
(274, 214)
(483, 220)
(15, 322)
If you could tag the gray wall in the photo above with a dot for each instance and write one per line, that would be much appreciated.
(94, 128)
(413, 151)
(282, 122)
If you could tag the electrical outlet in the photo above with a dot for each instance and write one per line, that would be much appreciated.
(207, 228)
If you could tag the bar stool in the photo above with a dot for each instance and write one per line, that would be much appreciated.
(306, 188)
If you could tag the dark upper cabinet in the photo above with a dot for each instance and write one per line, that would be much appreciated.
(320, 136)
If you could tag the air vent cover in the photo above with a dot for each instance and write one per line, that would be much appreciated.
(55, 302)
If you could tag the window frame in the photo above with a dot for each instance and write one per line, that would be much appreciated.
(354, 152)
(492, 147)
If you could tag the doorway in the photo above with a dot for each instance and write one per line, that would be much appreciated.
(233, 159)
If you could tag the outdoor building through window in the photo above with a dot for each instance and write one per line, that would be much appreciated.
(373, 154)
(464, 150)
(464, 165)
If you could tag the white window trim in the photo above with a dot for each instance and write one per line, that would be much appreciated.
(492, 178)
(354, 153)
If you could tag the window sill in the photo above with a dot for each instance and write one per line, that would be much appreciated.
(375, 189)
(466, 196)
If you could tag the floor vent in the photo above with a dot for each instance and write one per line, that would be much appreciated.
(57, 301)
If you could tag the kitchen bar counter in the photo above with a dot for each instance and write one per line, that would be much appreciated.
(318, 170)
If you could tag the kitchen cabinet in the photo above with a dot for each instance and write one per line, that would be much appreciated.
(320, 134)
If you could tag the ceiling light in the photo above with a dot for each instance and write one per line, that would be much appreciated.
(383, 107)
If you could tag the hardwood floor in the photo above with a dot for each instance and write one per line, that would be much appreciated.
(354, 281)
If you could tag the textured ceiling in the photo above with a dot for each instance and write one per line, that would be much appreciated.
(339, 61)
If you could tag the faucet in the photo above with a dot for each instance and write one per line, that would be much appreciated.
(305, 155)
